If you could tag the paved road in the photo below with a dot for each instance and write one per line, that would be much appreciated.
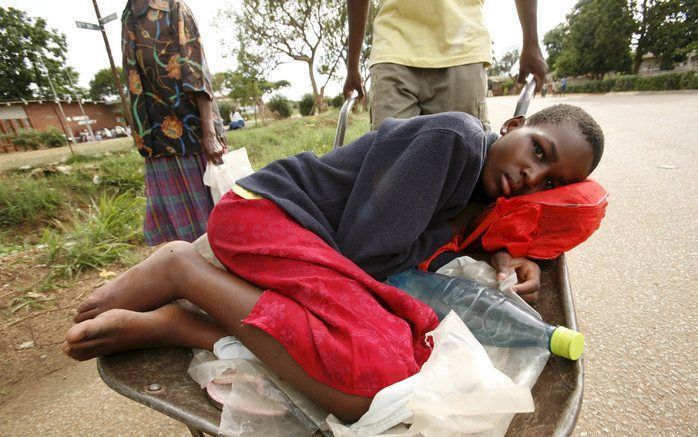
(11, 161)
(634, 283)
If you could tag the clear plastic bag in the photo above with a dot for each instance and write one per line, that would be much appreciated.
(221, 178)
(463, 388)
(257, 402)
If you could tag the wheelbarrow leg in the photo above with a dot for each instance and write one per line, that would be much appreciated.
(195, 432)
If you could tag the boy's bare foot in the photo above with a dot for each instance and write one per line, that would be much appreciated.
(118, 330)
(114, 331)
(143, 287)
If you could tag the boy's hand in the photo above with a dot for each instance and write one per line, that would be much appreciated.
(527, 271)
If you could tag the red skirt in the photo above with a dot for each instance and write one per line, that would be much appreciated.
(344, 328)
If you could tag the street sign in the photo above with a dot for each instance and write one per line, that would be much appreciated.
(108, 18)
(86, 122)
(83, 25)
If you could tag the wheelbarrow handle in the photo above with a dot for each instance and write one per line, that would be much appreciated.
(525, 97)
(343, 117)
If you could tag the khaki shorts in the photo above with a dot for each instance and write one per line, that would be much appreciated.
(403, 92)
(202, 246)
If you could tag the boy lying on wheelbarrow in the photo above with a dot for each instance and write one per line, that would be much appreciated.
(307, 241)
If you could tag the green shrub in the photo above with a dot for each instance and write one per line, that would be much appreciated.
(52, 137)
(225, 108)
(507, 85)
(26, 139)
(105, 233)
(27, 201)
(306, 105)
(337, 101)
(280, 105)
(32, 139)
(662, 82)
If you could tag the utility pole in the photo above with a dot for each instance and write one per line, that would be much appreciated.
(117, 79)
(82, 110)
(64, 121)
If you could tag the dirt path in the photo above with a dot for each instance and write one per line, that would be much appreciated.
(74, 402)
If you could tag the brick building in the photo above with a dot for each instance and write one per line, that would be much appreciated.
(41, 114)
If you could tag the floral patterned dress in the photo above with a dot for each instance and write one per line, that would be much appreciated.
(165, 66)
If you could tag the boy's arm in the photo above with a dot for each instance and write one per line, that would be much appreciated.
(531, 60)
(357, 13)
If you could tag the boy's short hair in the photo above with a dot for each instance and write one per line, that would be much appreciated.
(569, 114)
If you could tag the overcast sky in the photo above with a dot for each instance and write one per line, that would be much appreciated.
(87, 55)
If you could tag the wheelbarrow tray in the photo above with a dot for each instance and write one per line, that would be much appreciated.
(158, 377)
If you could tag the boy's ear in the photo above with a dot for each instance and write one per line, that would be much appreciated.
(511, 124)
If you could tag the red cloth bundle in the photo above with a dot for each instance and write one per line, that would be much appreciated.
(540, 225)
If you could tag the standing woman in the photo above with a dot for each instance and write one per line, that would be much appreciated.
(177, 127)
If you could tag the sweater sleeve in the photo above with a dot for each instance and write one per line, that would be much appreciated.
(406, 192)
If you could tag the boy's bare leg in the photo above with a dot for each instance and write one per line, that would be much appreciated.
(117, 330)
(183, 274)
(144, 287)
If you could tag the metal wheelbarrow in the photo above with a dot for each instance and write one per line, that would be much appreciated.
(158, 377)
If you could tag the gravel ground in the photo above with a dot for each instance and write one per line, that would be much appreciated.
(634, 284)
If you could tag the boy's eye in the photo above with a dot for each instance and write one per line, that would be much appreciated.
(549, 183)
(538, 149)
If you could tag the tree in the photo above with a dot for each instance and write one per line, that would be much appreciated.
(597, 40)
(103, 86)
(506, 63)
(310, 31)
(553, 41)
(248, 84)
(28, 52)
(666, 28)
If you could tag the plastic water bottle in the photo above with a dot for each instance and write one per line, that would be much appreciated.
(493, 317)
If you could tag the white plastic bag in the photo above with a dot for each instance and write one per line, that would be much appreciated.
(221, 178)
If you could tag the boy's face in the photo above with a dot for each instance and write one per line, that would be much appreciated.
(527, 159)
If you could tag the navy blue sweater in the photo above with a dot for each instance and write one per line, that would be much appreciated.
(385, 200)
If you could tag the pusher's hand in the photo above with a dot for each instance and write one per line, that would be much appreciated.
(527, 271)
(353, 82)
(532, 61)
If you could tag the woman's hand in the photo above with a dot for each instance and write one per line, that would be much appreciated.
(213, 148)
(527, 271)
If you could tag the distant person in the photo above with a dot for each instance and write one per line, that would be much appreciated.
(236, 120)
(563, 85)
(177, 127)
(432, 56)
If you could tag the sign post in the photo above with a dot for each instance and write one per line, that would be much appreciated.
(117, 79)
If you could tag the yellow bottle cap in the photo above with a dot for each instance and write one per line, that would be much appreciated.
(567, 343)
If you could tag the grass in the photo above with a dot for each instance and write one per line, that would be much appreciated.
(123, 173)
(92, 216)
(291, 136)
(24, 200)
(105, 233)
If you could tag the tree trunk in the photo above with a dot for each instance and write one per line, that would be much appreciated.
(640, 49)
(316, 94)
